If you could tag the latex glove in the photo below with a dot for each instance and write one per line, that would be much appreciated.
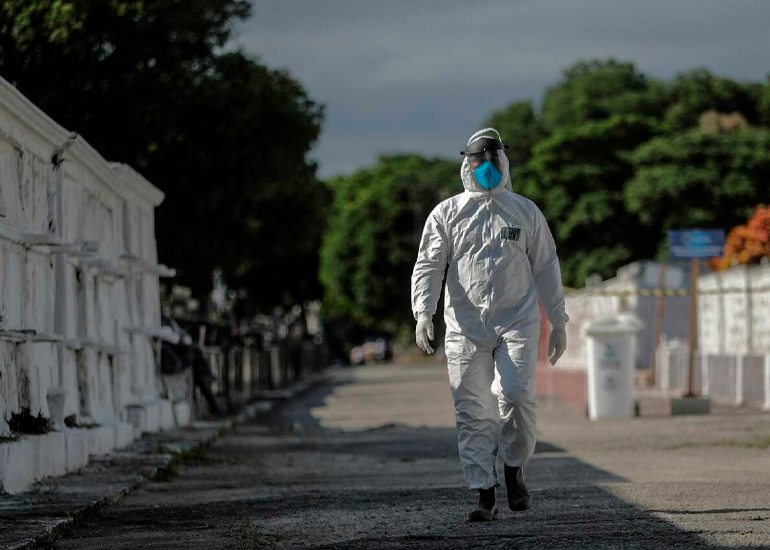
(557, 343)
(423, 333)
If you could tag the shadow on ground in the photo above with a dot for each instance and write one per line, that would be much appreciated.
(574, 504)
(288, 483)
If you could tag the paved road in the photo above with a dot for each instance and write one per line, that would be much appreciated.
(370, 461)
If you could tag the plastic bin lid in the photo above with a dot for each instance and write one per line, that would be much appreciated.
(618, 323)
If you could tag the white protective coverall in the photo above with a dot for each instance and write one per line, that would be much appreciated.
(499, 257)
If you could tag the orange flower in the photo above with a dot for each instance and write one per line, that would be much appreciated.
(748, 243)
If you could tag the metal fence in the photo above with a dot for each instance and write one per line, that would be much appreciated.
(242, 374)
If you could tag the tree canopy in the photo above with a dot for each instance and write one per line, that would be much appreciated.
(597, 90)
(692, 94)
(695, 179)
(620, 158)
(522, 130)
(577, 176)
(614, 160)
(374, 229)
(225, 137)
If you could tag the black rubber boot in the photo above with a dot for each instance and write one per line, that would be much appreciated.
(487, 507)
(518, 496)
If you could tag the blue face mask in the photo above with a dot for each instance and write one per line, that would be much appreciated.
(487, 175)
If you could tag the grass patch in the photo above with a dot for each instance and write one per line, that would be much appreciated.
(166, 475)
(256, 537)
(72, 422)
(222, 432)
(200, 455)
(43, 487)
(407, 459)
(9, 438)
(196, 454)
(760, 443)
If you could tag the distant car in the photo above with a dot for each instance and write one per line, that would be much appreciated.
(374, 350)
(357, 356)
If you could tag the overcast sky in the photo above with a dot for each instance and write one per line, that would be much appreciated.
(421, 75)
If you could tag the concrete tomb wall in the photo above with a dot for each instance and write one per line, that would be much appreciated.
(79, 300)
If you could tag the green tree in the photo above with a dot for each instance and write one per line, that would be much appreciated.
(372, 237)
(760, 95)
(242, 154)
(597, 90)
(519, 127)
(225, 137)
(692, 179)
(613, 156)
(577, 177)
(691, 94)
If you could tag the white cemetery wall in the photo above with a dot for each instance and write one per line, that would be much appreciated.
(735, 321)
(82, 342)
(759, 282)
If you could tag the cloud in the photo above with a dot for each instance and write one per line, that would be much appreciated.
(423, 74)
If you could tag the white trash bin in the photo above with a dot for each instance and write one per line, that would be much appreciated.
(611, 353)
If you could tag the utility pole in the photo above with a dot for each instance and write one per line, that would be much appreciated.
(693, 332)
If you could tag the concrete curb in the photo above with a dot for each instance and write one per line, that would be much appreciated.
(56, 505)
(298, 387)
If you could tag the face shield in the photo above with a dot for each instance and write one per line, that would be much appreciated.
(485, 158)
(478, 159)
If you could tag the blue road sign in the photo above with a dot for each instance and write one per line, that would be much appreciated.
(696, 243)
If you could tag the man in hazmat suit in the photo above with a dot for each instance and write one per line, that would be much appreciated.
(499, 257)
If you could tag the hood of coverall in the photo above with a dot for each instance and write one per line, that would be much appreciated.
(466, 174)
